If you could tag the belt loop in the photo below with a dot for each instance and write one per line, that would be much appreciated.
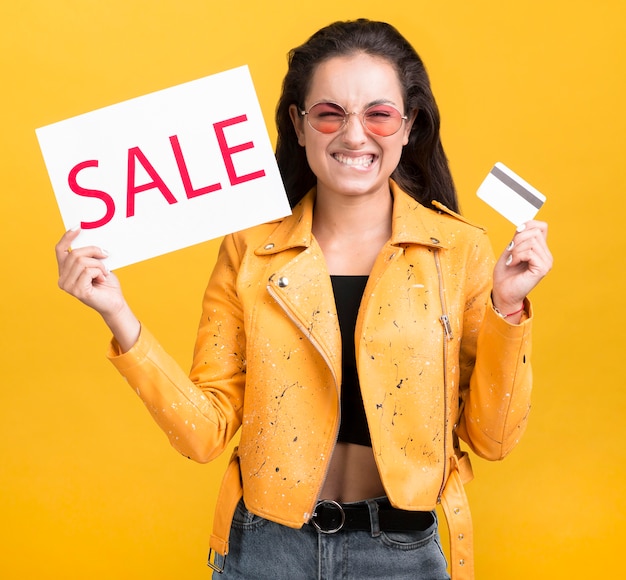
(372, 506)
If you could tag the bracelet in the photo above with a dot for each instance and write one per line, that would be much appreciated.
(510, 313)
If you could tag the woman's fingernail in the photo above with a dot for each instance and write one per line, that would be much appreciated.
(510, 246)
(509, 260)
(75, 228)
(106, 254)
(520, 228)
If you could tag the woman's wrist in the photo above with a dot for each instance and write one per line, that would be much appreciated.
(125, 327)
(510, 311)
(509, 314)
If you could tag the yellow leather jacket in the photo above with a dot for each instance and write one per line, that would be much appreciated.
(435, 363)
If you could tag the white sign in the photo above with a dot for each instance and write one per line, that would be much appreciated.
(166, 170)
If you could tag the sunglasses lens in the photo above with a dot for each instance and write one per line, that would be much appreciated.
(382, 120)
(326, 117)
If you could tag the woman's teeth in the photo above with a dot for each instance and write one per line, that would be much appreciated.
(363, 161)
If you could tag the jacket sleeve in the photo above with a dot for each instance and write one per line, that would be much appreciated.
(496, 376)
(199, 413)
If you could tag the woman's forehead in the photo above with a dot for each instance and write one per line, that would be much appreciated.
(355, 80)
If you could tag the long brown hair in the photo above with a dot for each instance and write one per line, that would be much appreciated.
(423, 170)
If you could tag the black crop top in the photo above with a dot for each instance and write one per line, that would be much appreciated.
(348, 292)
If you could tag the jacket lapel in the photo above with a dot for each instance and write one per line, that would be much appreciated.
(301, 285)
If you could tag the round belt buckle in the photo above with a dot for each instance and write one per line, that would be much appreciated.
(332, 505)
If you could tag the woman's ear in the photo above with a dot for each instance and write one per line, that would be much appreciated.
(298, 123)
(409, 125)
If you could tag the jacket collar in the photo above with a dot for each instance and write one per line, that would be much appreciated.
(412, 223)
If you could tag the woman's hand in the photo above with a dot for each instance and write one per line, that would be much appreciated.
(522, 265)
(83, 274)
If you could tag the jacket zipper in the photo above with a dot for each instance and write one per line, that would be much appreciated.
(319, 349)
(447, 329)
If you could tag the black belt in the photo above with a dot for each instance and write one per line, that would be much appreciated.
(330, 517)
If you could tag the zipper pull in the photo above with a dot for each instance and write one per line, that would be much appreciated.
(447, 327)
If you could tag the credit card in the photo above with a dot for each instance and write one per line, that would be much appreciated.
(510, 195)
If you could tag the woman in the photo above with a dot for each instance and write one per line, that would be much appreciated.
(353, 342)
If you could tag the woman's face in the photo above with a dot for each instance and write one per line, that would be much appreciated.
(353, 161)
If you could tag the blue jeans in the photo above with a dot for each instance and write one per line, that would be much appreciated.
(264, 550)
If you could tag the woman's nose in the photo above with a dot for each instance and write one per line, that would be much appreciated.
(353, 129)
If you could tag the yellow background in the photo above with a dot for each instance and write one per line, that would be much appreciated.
(89, 488)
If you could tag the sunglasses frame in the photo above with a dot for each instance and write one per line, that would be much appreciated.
(347, 114)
